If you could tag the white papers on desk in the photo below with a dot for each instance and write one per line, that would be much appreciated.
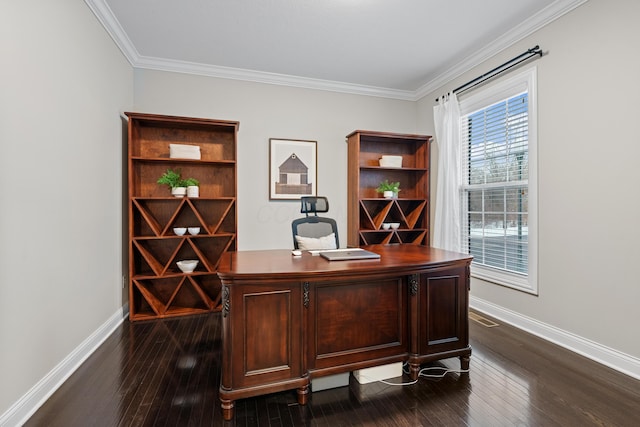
(182, 151)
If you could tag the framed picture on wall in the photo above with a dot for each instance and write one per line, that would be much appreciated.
(293, 169)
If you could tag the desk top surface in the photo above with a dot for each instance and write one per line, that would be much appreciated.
(281, 263)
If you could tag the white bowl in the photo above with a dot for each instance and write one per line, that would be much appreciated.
(391, 161)
(194, 230)
(395, 225)
(180, 230)
(187, 265)
(385, 225)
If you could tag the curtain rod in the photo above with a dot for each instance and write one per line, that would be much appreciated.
(499, 69)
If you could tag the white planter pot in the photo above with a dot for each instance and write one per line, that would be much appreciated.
(388, 194)
(193, 191)
(179, 191)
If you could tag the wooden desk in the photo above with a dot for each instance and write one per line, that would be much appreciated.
(289, 319)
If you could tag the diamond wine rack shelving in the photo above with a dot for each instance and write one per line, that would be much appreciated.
(368, 210)
(157, 288)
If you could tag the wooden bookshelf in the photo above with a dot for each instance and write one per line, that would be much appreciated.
(367, 209)
(157, 288)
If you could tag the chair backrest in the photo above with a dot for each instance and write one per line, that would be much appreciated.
(313, 205)
(314, 230)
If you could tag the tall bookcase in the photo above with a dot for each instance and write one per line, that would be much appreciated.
(367, 209)
(157, 288)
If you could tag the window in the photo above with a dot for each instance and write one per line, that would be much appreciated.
(498, 185)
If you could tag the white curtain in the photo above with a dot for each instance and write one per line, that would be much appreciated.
(446, 232)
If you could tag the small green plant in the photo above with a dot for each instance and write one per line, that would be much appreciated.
(388, 186)
(171, 178)
(191, 182)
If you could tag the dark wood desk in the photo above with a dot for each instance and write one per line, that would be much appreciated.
(289, 319)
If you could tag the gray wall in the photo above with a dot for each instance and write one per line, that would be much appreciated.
(588, 147)
(63, 83)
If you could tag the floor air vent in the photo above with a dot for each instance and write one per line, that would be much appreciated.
(482, 320)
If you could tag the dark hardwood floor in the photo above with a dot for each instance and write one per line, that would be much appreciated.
(166, 373)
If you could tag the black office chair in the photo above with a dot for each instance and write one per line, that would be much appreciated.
(313, 231)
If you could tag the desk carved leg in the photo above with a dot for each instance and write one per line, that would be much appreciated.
(227, 408)
(414, 370)
(464, 362)
(303, 394)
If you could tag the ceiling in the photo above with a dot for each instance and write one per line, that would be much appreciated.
(392, 48)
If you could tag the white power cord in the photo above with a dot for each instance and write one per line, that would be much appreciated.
(422, 373)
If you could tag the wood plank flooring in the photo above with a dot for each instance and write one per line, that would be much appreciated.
(167, 373)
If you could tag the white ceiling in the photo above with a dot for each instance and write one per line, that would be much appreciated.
(393, 48)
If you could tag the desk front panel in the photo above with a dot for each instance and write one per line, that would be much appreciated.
(443, 304)
(265, 335)
(356, 321)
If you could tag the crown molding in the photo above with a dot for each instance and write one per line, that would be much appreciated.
(269, 78)
(105, 15)
(528, 27)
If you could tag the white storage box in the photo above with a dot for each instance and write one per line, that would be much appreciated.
(182, 151)
(377, 373)
(331, 381)
(391, 161)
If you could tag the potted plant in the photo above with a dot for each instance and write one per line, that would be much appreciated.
(193, 189)
(388, 189)
(172, 179)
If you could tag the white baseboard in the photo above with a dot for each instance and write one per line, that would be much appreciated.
(28, 404)
(614, 359)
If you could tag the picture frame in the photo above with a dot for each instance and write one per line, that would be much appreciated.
(293, 168)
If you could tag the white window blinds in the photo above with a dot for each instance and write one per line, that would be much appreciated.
(496, 167)
(495, 138)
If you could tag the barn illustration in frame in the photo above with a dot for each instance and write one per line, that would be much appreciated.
(292, 169)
